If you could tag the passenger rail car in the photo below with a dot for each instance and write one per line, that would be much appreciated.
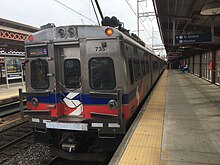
(84, 83)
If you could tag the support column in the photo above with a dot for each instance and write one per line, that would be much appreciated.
(213, 67)
(173, 32)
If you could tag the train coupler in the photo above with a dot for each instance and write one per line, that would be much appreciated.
(69, 147)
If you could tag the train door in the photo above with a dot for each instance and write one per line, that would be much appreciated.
(69, 68)
(41, 79)
(38, 68)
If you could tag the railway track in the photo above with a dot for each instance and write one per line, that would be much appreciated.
(14, 140)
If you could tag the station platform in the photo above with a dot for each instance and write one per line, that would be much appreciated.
(178, 125)
(10, 94)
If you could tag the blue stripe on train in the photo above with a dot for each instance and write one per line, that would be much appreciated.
(85, 98)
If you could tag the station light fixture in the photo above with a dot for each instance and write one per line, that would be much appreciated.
(212, 8)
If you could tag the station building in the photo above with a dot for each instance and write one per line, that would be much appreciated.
(12, 36)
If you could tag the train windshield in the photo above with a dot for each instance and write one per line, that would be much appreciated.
(39, 70)
(102, 73)
(72, 73)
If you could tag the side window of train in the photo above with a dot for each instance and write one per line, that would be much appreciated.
(101, 73)
(137, 70)
(39, 70)
(155, 65)
(130, 65)
(135, 51)
(143, 68)
(72, 73)
(161, 65)
(147, 66)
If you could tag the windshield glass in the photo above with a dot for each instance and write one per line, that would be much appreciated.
(102, 73)
(72, 73)
(39, 70)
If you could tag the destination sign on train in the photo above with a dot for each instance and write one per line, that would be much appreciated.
(37, 51)
(193, 38)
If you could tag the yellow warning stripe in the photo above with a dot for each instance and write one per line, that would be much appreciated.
(144, 147)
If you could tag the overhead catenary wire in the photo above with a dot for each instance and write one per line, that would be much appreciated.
(75, 11)
(121, 13)
(131, 7)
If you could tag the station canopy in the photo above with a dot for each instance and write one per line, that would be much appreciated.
(188, 27)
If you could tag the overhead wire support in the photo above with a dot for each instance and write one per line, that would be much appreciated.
(74, 11)
(146, 14)
(143, 14)
(136, 15)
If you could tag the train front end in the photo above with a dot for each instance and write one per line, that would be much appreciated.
(71, 90)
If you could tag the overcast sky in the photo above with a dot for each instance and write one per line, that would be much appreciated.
(40, 12)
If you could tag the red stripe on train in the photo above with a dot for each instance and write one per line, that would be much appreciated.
(59, 110)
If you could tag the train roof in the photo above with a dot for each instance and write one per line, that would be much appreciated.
(133, 41)
(75, 32)
(130, 39)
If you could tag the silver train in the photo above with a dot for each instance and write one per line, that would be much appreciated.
(84, 84)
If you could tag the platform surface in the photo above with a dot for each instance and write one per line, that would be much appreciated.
(191, 134)
(180, 125)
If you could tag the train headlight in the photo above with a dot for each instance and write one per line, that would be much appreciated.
(61, 32)
(109, 31)
(71, 31)
(112, 104)
(34, 101)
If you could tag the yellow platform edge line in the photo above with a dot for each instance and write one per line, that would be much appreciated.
(145, 144)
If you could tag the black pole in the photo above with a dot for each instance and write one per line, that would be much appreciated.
(95, 12)
(21, 99)
(100, 12)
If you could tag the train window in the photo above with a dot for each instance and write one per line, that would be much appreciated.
(161, 65)
(39, 70)
(102, 73)
(143, 68)
(135, 51)
(131, 71)
(140, 53)
(137, 70)
(72, 73)
(147, 67)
